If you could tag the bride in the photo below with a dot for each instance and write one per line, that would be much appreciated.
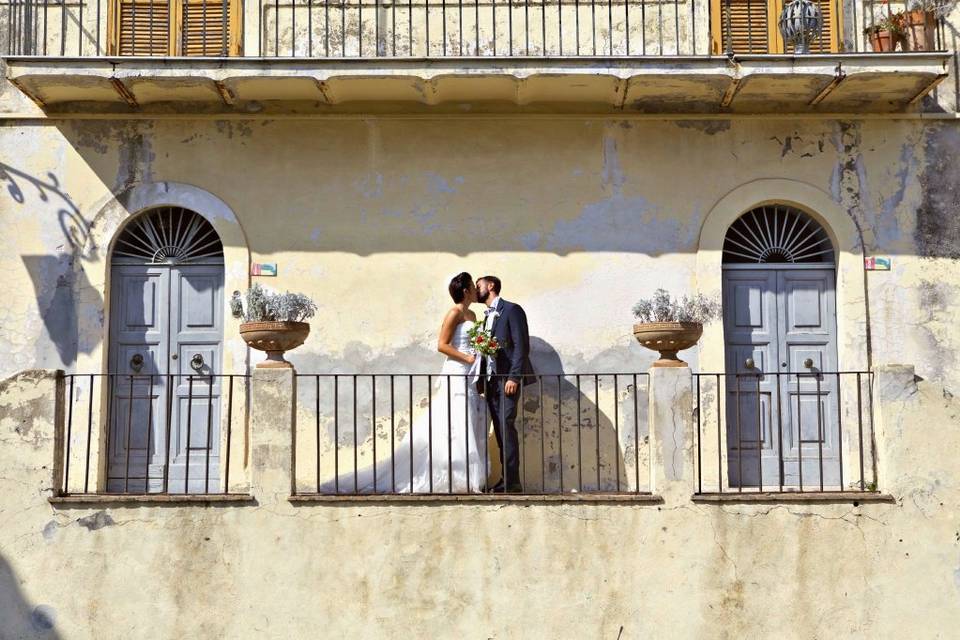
(449, 453)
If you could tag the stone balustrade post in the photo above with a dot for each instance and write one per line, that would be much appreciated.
(272, 434)
(672, 473)
(895, 403)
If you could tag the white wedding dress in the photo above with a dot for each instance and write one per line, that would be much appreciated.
(458, 455)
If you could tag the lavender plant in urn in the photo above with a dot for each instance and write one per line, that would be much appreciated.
(800, 24)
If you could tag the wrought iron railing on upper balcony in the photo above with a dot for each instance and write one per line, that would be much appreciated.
(433, 28)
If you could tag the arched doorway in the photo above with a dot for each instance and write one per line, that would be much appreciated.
(780, 335)
(165, 351)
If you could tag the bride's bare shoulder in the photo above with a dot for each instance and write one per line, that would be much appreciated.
(454, 316)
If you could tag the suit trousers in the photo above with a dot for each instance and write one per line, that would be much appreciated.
(503, 411)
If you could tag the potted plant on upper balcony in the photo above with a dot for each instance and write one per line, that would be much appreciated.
(920, 23)
(671, 325)
(273, 322)
(887, 32)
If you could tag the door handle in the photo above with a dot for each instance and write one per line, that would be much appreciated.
(196, 362)
(748, 363)
(808, 363)
(136, 362)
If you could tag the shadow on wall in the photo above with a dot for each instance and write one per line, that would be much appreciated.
(56, 285)
(579, 437)
(392, 201)
(57, 278)
(436, 202)
(18, 618)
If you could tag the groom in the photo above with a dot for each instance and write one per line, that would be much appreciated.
(503, 377)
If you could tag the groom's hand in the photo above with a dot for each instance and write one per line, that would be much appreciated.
(510, 388)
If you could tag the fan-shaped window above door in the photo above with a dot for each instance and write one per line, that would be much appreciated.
(168, 235)
(777, 234)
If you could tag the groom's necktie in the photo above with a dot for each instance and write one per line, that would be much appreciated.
(485, 365)
(486, 318)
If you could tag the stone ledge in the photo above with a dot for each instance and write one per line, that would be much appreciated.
(150, 498)
(490, 498)
(793, 496)
(818, 83)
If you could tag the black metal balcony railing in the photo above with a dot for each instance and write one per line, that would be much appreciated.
(151, 434)
(419, 28)
(808, 431)
(412, 434)
(358, 434)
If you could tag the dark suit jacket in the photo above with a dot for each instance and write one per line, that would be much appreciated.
(510, 330)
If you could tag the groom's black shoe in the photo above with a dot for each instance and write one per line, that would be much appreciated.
(513, 488)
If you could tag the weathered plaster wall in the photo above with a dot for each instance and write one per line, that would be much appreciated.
(484, 571)
(579, 216)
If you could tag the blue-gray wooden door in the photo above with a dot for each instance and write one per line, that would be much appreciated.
(783, 424)
(172, 317)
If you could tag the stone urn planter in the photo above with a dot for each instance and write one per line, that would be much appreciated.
(668, 338)
(275, 338)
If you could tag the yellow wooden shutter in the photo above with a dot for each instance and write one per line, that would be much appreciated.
(140, 28)
(209, 28)
(751, 26)
(174, 27)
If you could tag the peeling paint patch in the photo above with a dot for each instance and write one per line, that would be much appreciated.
(439, 184)
(90, 137)
(98, 520)
(50, 531)
(230, 128)
(937, 233)
(370, 186)
(136, 158)
(530, 241)
(617, 224)
(849, 179)
(709, 127)
(887, 228)
(613, 175)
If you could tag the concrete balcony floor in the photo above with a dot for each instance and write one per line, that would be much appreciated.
(834, 83)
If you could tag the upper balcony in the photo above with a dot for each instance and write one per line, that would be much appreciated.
(650, 56)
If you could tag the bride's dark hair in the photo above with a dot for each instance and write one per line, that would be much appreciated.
(459, 285)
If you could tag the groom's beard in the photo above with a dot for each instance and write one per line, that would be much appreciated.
(482, 298)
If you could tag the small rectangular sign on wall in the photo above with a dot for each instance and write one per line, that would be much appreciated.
(877, 263)
(263, 269)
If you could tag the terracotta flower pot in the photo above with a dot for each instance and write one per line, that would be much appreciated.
(668, 338)
(883, 41)
(921, 31)
(274, 338)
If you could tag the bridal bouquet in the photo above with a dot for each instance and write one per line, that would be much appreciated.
(482, 340)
